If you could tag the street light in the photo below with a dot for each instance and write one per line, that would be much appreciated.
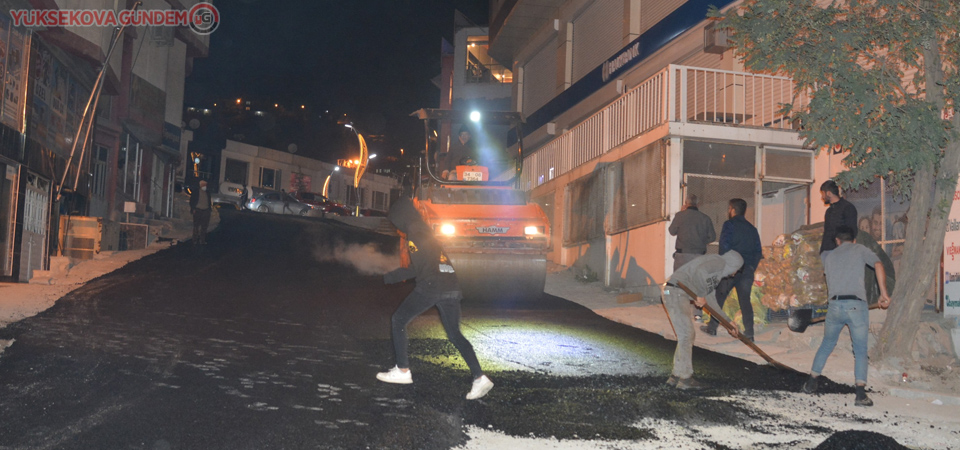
(361, 164)
(326, 184)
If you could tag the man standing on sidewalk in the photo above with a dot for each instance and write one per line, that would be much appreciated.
(740, 235)
(700, 276)
(840, 212)
(848, 307)
(200, 208)
(694, 231)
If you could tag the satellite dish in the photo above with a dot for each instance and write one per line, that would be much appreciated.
(194, 124)
(292, 148)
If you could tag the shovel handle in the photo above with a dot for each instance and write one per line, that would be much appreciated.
(729, 326)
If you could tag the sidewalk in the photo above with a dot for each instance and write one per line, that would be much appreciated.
(790, 348)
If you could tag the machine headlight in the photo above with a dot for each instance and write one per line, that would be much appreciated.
(531, 230)
(447, 229)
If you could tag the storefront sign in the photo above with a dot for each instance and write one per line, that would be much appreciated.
(951, 260)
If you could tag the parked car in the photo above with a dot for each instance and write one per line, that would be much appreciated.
(321, 203)
(278, 203)
(231, 195)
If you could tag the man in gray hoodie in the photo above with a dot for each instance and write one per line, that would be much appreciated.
(700, 276)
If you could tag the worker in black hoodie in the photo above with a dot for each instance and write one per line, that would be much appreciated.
(437, 285)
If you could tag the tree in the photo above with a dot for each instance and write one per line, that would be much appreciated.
(877, 79)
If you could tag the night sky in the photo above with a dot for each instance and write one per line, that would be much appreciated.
(371, 59)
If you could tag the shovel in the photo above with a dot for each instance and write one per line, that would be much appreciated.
(800, 319)
(729, 326)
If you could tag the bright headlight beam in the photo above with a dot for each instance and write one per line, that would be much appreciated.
(447, 229)
(475, 116)
(531, 230)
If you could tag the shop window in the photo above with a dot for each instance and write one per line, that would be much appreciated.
(719, 159)
(639, 189)
(270, 178)
(585, 212)
(235, 171)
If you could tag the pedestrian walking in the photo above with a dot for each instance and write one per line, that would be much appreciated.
(200, 209)
(701, 276)
(848, 308)
(436, 286)
(740, 235)
(694, 231)
(840, 212)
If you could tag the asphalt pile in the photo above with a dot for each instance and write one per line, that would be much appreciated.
(859, 440)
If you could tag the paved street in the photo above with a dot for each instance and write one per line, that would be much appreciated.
(265, 339)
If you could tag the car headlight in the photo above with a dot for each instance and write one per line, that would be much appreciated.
(532, 230)
(447, 229)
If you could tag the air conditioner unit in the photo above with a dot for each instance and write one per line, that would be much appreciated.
(715, 40)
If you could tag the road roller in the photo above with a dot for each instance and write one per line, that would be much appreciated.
(495, 239)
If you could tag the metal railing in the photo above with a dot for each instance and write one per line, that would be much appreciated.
(677, 94)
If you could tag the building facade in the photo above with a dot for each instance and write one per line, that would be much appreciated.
(133, 149)
(250, 165)
(630, 105)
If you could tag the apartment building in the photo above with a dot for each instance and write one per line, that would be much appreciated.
(48, 75)
(630, 105)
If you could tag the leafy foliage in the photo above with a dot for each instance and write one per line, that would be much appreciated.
(860, 77)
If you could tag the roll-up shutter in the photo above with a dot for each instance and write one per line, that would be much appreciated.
(653, 12)
(597, 35)
(540, 78)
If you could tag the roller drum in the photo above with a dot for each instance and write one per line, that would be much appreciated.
(495, 277)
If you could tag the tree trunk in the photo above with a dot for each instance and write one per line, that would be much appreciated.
(924, 239)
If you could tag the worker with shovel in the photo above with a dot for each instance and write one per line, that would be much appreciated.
(700, 277)
(848, 307)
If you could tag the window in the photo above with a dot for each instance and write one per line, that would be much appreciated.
(99, 182)
(639, 189)
(379, 201)
(719, 159)
(235, 171)
(270, 178)
(584, 204)
(481, 68)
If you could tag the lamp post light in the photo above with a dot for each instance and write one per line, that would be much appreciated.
(326, 184)
(361, 164)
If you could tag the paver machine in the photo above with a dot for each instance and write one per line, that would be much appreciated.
(496, 240)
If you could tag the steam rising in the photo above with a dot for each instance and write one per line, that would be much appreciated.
(366, 258)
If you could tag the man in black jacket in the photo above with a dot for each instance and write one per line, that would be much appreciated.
(200, 208)
(437, 285)
(840, 213)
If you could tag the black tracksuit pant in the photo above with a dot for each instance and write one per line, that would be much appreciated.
(448, 304)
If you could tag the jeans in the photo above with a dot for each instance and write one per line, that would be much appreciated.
(680, 312)
(841, 313)
(448, 304)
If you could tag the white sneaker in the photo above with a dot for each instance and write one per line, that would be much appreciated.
(480, 388)
(396, 376)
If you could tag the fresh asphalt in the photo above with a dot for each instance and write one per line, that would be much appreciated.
(263, 339)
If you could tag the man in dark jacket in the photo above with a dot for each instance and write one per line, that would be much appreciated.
(694, 231)
(437, 285)
(200, 208)
(740, 235)
(840, 213)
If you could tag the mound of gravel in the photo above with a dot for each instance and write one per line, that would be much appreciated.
(859, 440)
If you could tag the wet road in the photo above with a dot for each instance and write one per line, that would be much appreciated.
(264, 339)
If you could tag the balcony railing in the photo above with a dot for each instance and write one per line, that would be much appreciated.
(681, 94)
